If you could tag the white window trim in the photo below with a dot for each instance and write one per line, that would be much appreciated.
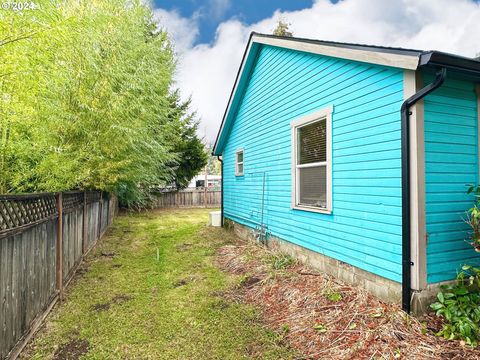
(237, 173)
(326, 114)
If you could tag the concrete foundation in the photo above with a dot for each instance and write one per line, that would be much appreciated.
(381, 287)
(421, 299)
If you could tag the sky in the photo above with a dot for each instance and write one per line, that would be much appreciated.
(210, 36)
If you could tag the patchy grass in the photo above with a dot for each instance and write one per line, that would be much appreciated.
(150, 290)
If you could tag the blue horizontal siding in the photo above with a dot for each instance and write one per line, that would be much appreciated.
(364, 228)
(451, 163)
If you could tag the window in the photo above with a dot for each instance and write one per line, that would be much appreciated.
(311, 162)
(239, 162)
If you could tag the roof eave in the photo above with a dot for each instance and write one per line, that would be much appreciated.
(398, 58)
(436, 59)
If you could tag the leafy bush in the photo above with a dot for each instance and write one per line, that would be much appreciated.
(459, 305)
(473, 217)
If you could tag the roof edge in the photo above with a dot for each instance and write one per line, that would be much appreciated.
(379, 48)
(392, 57)
(450, 61)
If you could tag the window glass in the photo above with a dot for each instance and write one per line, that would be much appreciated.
(240, 156)
(313, 186)
(239, 163)
(312, 143)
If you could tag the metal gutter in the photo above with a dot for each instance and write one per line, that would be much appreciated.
(405, 144)
(445, 60)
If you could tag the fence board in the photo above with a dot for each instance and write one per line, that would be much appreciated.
(188, 198)
(72, 240)
(28, 255)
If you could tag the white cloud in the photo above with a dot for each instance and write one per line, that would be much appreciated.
(182, 31)
(219, 7)
(207, 71)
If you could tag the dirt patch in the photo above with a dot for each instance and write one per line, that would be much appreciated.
(80, 272)
(101, 307)
(107, 254)
(254, 351)
(179, 283)
(117, 300)
(323, 318)
(72, 350)
(249, 281)
(183, 247)
(121, 298)
(220, 305)
(184, 281)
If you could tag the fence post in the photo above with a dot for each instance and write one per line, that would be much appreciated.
(84, 224)
(205, 187)
(59, 247)
(100, 207)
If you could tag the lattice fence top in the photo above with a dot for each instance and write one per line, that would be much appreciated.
(19, 211)
(93, 196)
(72, 200)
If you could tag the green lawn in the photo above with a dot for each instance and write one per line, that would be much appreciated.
(131, 304)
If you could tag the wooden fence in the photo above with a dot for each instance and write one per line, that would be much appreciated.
(43, 239)
(189, 198)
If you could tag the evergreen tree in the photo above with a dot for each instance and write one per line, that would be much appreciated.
(282, 29)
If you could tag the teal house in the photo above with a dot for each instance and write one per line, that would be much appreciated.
(356, 159)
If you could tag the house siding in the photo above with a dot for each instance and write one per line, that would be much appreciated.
(451, 163)
(364, 228)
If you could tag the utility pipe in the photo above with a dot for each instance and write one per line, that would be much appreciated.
(221, 190)
(405, 143)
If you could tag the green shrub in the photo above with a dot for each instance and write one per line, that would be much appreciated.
(459, 305)
(280, 261)
(332, 295)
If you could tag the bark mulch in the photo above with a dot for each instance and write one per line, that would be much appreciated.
(323, 318)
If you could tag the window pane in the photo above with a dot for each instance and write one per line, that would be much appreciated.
(240, 156)
(312, 142)
(240, 169)
(313, 186)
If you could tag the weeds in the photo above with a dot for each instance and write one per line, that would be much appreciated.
(279, 261)
(332, 295)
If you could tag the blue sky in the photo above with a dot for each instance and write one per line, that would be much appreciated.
(212, 13)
